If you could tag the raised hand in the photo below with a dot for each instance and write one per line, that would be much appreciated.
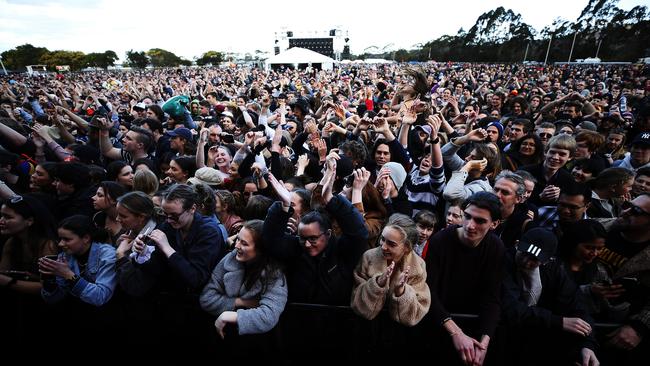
(401, 282)
(280, 190)
(475, 165)
(361, 178)
(383, 279)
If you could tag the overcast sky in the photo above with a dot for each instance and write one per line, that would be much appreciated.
(190, 27)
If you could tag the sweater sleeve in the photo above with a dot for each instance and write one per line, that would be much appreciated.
(414, 303)
(213, 298)
(367, 296)
(450, 157)
(264, 317)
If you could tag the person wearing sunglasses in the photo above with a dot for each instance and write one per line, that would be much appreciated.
(170, 265)
(626, 254)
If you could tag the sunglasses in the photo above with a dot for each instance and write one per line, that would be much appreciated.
(634, 209)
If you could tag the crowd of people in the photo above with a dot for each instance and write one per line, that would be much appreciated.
(188, 207)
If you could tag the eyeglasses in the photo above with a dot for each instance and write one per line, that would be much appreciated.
(545, 135)
(174, 216)
(634, 209)
(309, 239)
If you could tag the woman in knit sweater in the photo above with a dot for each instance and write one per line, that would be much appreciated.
(247, 289)
(392, 275)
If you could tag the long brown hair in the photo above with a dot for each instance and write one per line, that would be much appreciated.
(263, 268)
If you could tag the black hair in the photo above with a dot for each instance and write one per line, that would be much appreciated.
(182, 192)
(205, 199)
(73, 173)
(318, 217)
(114, 168)
(425, 218)
(157, 110)
(257, 207)
(80, 225)
(577, 189)
(29, 206)
(154, 125)
(305, 196)
(263, 267)
(144, 137)
(487, 201)
(611, 177)
(187, 164)
(112, 189)
(581, 231)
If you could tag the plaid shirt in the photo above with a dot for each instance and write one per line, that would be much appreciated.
(548, 217)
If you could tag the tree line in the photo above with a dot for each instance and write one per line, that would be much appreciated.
(21, 56)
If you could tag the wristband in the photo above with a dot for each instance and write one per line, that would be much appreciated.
(436, 140)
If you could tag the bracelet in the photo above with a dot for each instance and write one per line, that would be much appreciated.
(436, 141)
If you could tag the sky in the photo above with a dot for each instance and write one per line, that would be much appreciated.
(189, 28)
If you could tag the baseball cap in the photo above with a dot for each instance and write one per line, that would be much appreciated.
(642, 139)
(183, 132)
(538, 242)
(424, 128)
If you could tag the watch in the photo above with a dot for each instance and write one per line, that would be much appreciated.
(73, 280)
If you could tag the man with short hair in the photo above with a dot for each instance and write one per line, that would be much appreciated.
(518, 129)
(511, 188)
(474, 289)
(541, 306)
(571, 207)
(545, 131)
(135, 146)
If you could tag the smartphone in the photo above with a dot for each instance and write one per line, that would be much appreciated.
(628, 283)
(228, 138)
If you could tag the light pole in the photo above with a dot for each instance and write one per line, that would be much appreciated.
(548, 49)
(526, 53)
(572, 44)
(600, 40)
(3, 66)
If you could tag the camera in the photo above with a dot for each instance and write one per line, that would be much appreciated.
(348, 180)
(228, 138)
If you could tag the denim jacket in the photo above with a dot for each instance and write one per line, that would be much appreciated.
(95, 285)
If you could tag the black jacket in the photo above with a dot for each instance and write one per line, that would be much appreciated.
(327, 277)
(559, 299)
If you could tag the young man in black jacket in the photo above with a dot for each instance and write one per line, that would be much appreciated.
(541, 307)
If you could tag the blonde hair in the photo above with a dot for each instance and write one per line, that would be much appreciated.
(145, 181)
(406, 226)
(564, 142)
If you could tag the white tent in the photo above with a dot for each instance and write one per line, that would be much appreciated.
(378, 61)
(297, 55)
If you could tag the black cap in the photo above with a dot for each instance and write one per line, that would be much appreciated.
(538, 242)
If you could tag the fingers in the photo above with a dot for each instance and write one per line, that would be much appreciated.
(405, 276)
(478, 344)
(219, 327)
